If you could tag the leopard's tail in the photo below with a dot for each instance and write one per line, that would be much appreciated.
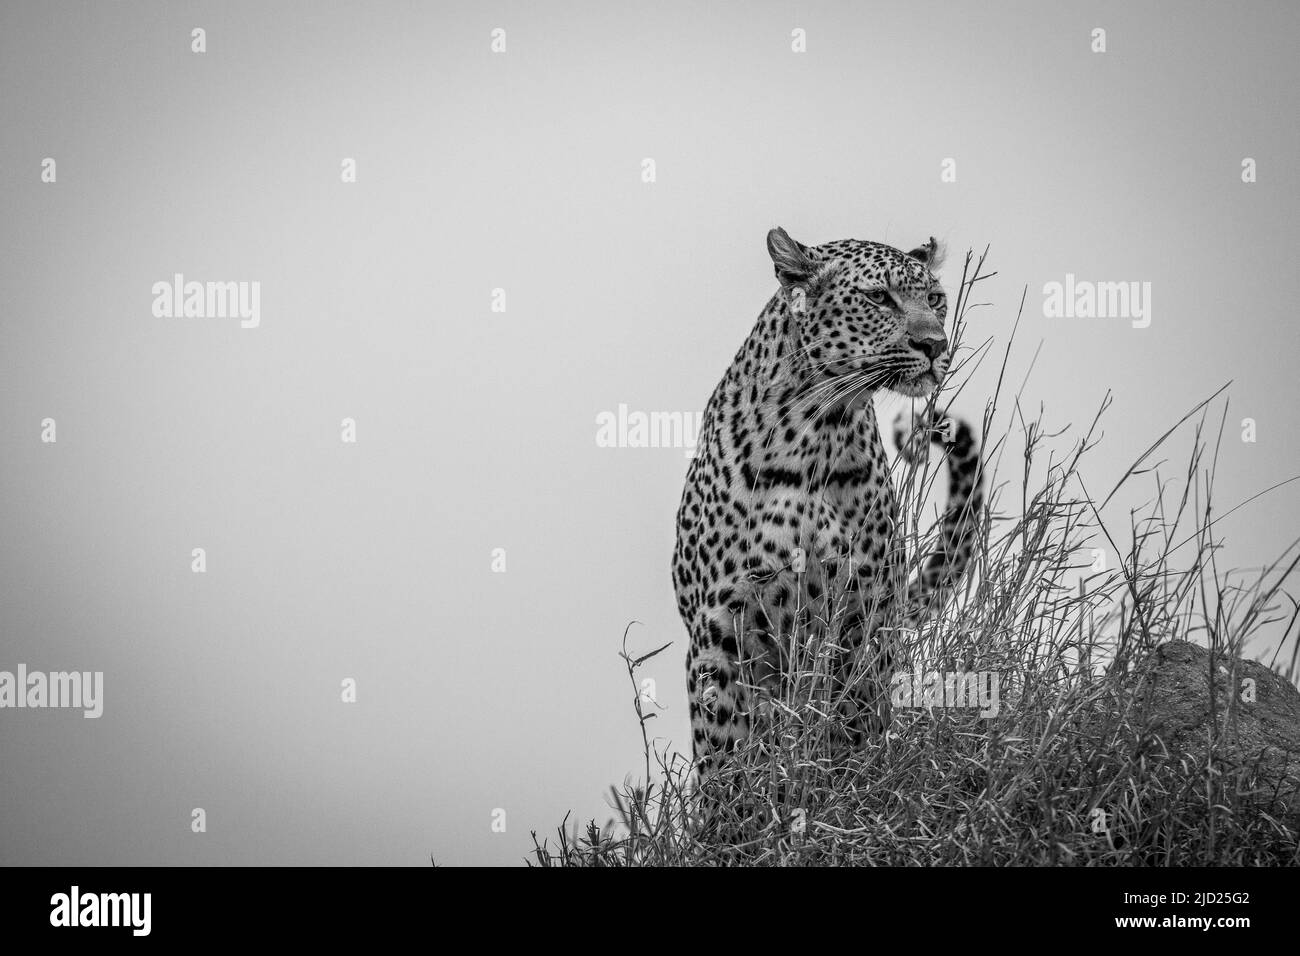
(942, 568)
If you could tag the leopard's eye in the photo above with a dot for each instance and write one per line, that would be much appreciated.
(878, 296)
(935, 299)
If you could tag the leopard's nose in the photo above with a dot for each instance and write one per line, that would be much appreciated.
(930, 347)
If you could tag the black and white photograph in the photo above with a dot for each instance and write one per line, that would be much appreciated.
(687, 435)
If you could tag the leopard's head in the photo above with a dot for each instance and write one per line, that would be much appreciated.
(866, 315)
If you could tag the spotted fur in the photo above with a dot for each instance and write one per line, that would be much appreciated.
(788, 517)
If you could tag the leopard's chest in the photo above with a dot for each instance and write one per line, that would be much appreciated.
(809, 548)
(825, 524)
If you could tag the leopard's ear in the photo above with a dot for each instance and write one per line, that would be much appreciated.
(793, 262)
(931, 254)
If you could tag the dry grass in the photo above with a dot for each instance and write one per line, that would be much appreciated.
(1064, 773)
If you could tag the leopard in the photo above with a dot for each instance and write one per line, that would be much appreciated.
(789, 518)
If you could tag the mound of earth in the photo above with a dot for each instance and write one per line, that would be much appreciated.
(1256, 711)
